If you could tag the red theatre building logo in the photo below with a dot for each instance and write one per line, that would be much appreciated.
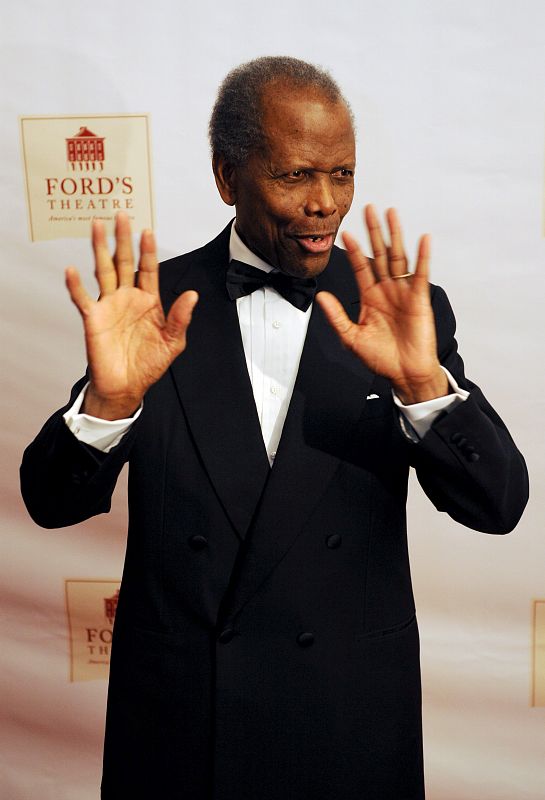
(88, 193)
(80, 169)
(85, 150)
(110, 607)
(91, 606)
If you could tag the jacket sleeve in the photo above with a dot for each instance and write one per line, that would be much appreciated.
(467, 463)
(64, 481)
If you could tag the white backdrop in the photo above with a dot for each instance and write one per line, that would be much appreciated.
(449, 98)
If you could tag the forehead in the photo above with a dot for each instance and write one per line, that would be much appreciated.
(305, 121)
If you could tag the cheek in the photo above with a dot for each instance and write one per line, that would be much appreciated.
(288, 210)
(285, 205)
(344, 201)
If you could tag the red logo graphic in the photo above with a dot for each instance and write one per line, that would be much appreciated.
(85, 148)
(110, 607)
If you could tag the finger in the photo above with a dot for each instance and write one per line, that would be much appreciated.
(361, 265)
(104, 266)
(337, 317)
(123, 258)
(148, 268)
(178, 320)
(397, 259)
(77, 293)
(421, 274)
(380, 266)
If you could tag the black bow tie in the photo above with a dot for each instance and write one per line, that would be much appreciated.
(242, 279)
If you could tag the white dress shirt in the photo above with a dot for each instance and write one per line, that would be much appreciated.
(273, 334)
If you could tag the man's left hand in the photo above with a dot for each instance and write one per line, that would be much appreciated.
(395, 332)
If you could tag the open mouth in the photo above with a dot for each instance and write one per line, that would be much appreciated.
(316, 243)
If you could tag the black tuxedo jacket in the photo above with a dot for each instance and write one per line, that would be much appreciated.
(265, 644)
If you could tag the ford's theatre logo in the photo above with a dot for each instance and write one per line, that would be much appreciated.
(91, 607)
(85, 153)
(110, 607)
(99, 638)
(85, 149)
(82, 168)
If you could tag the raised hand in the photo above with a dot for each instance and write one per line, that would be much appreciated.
(129, 342)
(395, 333)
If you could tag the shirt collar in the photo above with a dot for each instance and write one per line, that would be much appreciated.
(238, 251)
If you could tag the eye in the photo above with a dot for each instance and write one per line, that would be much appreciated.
(296, 175)
(343, 173)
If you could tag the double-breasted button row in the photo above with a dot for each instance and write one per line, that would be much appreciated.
(80, 477)
(466, 448)
(304, 639)
(198, 542)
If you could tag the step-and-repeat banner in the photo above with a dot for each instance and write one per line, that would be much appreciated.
(105, 108)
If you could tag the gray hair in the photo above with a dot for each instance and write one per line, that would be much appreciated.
(235, 128)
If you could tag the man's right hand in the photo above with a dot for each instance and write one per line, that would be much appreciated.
(129, 342)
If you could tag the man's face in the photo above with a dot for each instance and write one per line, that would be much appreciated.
(291, 197)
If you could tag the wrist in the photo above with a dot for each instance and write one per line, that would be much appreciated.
(109, 408)
(411, 392)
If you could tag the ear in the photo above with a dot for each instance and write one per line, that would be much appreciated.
(225, 175)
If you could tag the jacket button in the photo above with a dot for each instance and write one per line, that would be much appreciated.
(198, 542)
(473, 456)
(334, 541)
(455, 438)
(305, 639)
(226, 635)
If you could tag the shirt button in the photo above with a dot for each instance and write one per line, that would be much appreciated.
(276, 324)
(274, 390)
(273, 455)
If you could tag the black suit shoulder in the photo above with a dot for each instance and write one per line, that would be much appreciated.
(201, 269)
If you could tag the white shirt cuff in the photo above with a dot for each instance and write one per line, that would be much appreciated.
(421, 416)
(103, 434)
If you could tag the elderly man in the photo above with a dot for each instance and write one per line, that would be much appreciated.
(265, 644)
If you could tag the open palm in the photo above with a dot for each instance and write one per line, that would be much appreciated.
(129, 342)
(395, 333)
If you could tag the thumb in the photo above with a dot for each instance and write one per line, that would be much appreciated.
(78, 295)
(179, 318)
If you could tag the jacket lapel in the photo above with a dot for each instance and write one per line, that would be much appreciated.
(328, 398)
(214, 388)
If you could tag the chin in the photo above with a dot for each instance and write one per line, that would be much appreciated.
(308, 267)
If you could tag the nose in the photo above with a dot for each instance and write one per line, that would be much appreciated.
(320, 200)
